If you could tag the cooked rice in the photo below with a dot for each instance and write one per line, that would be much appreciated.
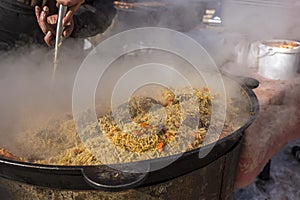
(173, 124)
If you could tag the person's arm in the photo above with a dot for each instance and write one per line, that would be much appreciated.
(93, 17)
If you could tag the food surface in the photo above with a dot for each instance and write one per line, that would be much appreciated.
(148, 130)
(143, 128)
(8, 155)
(284, 44)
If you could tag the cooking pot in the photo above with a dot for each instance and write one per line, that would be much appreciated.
(109, 178)
(278, 59)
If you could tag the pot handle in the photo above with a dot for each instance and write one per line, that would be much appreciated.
(249, 82)
(110, 179)
(264, 51)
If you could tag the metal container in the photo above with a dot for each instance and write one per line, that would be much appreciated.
(278, 59)
(87, 177)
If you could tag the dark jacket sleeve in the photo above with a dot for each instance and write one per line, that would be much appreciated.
(93, 17)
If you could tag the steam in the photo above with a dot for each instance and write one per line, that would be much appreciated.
(233, 45)
(28, 97)
(261, 20)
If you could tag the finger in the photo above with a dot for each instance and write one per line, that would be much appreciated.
(43, 22)
(49, 39)
(67, 32)
(45, 13)
(37, 12)
(42, 19)
(52, 20)
(46, 9)
(68, 18)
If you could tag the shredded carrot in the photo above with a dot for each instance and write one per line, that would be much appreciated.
(143, 125)
(168, 101)
(160, 145)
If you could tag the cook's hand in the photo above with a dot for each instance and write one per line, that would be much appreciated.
(72, 5)
(48, 25)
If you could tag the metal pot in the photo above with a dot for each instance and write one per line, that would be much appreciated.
(278, 59)
(105, 178)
